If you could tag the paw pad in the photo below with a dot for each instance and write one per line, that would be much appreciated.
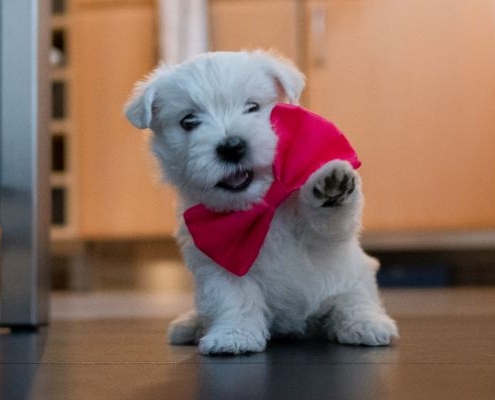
(336, 186)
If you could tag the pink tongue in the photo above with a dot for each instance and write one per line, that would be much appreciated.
(236, 179)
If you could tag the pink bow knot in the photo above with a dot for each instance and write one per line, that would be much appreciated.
(306, 142)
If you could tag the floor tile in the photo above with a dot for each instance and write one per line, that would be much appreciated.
(440, 356)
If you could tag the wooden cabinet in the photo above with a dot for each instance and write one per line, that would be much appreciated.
(119, 188)
(242, 24)
(412, 84)
(114, 44)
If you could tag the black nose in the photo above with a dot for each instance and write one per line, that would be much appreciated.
(232, 149)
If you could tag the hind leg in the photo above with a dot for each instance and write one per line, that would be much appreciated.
(185, 329)
(358, 317)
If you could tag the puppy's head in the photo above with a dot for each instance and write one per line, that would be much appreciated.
(211, 123)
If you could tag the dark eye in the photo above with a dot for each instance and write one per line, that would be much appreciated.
(251, 107)
(189, 122)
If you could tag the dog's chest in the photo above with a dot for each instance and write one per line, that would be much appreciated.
(289, 268)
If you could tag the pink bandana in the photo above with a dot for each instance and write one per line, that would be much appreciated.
(306, 142)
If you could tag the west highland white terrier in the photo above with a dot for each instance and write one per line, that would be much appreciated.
(215, 142)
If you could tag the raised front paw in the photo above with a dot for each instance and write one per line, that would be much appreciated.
(334, 183)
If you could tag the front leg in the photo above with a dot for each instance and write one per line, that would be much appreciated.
(331, 200)
(234, 313)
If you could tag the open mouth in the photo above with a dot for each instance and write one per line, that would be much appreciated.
(236, 182)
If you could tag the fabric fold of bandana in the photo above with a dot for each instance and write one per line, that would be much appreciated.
(306, 141)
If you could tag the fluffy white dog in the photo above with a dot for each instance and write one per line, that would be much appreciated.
(214, 141)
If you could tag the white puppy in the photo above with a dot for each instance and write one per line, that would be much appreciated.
(214, 141)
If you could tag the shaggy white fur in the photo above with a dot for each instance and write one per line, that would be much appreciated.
(311, 271)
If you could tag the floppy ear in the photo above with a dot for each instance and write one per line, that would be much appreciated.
(286, 73)
(139, 108)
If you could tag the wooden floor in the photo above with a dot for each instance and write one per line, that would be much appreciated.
(111, 345)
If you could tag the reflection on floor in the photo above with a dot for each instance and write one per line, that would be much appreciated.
(139, 305)
(108, 342)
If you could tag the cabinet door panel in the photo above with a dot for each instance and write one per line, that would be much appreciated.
(252, 24)
(119, 189)
(412, 84)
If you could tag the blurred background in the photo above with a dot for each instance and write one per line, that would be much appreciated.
(410, 82)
